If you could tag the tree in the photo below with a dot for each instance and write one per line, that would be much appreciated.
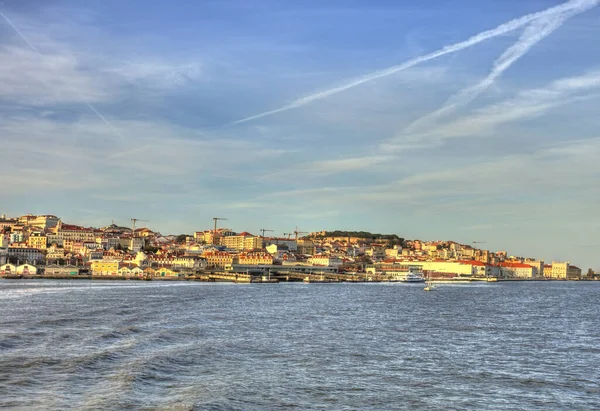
(181, 238)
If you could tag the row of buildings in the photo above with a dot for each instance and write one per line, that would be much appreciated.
(45, 241)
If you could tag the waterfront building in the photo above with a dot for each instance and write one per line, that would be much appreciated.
(130, 270)
(573, 273)
(193, 262)
(538, 265)
(55, 269)
(26, 269)
(218, 259)
(105, 267)
(165, 272)
(7, 269)
(559, 270)
(255, 258)
(467, 268)
(510, 269)
(285, 268)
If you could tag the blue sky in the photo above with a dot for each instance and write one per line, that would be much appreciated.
(467, 120)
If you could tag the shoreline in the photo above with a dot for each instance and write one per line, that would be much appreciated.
(249, 279)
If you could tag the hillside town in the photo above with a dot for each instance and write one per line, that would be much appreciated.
(45, 245)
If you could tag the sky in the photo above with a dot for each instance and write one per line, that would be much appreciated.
(465, 120)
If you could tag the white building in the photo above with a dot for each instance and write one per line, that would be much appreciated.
(518, 270)
(197, 263)
(324, 260)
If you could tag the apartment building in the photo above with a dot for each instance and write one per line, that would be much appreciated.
(242, 241)
(255, 258)
(37, 240)
(218, 259)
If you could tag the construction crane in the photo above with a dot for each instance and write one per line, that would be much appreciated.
(133, 221)
(299, 232)
(215, 219)
(289, 235)
(478, 242)
(263, 230)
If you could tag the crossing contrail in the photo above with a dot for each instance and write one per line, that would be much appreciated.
(535, 32)
(35, 50)
(476, 39)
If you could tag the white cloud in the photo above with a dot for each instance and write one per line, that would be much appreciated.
(57, 78)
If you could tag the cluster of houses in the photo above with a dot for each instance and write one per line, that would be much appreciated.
(33, 244)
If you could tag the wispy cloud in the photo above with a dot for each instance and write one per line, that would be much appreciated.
(345, 165)
(535, 32)
(525, 105)
(472, 41)
(28, 78)
(161, 158)
(66, 84)
(158, 74)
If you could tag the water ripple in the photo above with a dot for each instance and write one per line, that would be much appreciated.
(191, 346)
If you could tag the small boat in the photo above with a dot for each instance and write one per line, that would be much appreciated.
(429, 284)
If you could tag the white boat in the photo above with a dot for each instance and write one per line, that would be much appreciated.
(429, 284)
(413, 277)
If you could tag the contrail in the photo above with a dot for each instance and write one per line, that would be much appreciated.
(35, 50)
(476, 39)
(533, 34)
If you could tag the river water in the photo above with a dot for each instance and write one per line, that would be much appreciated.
(96, 345)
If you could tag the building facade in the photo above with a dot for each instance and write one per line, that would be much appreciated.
(105, 267)
(37, 240)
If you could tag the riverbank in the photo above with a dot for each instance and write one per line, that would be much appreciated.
(247, 278)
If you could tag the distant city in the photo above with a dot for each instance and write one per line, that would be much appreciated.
(43, 245)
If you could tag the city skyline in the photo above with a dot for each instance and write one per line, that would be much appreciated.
(471, 123)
